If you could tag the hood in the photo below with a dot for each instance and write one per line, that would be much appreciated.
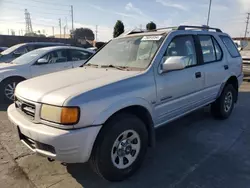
(55, 88)
(4, 65)
(6, 58)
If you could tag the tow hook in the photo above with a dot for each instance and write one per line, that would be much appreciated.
(50, 159)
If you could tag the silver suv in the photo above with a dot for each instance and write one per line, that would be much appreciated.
(106, 112)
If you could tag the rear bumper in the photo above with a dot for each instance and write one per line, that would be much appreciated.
(70, 146)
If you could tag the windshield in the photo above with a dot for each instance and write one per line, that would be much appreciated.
(11, 49)
(28, 57)
(132, 52)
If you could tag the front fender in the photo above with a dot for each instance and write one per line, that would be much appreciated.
(119, 105)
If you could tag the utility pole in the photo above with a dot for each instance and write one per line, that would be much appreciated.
(53, 31)
(66, 25)
(60, 25)
(64, 32)
(209, 10)
(246, 31)
(72, 17)
(96, 31)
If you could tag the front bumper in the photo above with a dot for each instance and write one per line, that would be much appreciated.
(70, 146)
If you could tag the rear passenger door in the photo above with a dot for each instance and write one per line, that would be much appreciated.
(215, 66)
(234, 58)
(79, 57)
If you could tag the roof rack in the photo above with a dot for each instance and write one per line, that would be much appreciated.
(164, 28)
(181, 27)
(205, 27)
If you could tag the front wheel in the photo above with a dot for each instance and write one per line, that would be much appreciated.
(7, 89)
(120, 147)
(223, 106)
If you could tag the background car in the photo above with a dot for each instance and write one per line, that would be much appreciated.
(3, 48)
(15, 51)
(245, 53)
(39, 62)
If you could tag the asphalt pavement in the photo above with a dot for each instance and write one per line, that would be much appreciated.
(196, 151)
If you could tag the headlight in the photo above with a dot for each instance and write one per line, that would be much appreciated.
(61, 115)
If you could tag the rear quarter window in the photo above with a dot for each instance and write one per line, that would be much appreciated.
(231, 47)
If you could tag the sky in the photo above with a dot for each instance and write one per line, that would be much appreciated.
(229, 15)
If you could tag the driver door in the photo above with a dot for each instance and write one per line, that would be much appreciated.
(179, 91)
(57, 60)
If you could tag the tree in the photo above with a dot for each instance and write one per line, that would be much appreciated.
(83, 33)
(118, 29)
(151, 26)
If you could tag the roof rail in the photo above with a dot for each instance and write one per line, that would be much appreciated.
(205, 27)
(163, 28)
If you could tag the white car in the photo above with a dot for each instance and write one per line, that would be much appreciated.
(39, 62)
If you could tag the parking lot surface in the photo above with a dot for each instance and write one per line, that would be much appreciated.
(196, 151)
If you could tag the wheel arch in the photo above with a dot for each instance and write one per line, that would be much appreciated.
(13, 77)
(140, 111)
(234, 82)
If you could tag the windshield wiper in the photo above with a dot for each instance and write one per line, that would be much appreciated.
(89, 64)
(114, 66)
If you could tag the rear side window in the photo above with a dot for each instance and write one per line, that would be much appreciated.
(230, 46)
(211, 50)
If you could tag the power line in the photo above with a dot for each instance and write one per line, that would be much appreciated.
(23, 4)
(246, 31)
(57, 4)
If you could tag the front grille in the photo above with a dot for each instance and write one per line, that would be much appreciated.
(25, 108)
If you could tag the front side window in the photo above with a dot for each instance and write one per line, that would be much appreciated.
(182, 46)
(131, 52)
(230, 46)
(59, 56)
(78, 55)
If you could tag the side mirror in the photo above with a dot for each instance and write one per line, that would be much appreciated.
(42, 61)
(174, 63)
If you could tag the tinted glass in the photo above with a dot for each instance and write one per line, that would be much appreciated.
(11, 49)
(59, 56)
(217, 50)
(207, 48)
(28, 57)
(182, 46)
(230, 46)
(78, 55)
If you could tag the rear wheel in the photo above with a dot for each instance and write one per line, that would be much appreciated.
(120, 147)
(223, 106)
(7, 89)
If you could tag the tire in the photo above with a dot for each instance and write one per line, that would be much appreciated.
(106, 148)
(223, 106)
(5, 89)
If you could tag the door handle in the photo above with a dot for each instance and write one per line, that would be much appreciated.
(197, 74)
(226, 67)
